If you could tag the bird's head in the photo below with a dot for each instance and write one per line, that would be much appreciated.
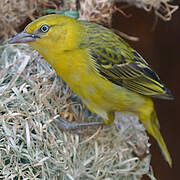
(50, 33)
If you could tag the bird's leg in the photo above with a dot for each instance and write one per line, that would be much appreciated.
(65, 125)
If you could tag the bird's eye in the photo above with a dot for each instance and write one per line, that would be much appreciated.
(44, 28)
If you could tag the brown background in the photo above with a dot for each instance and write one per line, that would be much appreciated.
(161, 48)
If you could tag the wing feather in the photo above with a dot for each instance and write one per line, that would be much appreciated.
(119, 63)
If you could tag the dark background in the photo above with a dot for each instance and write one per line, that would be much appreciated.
(161, 49)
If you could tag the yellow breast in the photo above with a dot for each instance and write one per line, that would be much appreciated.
(98, 93)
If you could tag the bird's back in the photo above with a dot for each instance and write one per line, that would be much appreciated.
(119, 63)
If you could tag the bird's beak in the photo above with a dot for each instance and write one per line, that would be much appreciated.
(23, 37)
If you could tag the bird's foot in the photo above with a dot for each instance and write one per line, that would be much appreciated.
(65, 125)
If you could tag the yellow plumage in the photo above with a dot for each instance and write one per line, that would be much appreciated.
(100, 67)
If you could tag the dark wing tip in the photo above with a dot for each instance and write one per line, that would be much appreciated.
(169, 94)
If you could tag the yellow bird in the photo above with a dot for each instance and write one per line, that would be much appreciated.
(100, 67)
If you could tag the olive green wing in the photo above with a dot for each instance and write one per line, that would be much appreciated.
(126, 68)
(116, 61)
(129, 72)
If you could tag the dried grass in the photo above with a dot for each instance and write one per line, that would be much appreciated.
(97, 11)
(15, 14)
(32, 146)
(162, 8)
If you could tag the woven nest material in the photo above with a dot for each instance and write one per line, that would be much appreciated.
(17, 13)
(32, 146)
(13, 14)
(162, 8)
(97, 11)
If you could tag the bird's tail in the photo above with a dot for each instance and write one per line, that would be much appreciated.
(153, 128)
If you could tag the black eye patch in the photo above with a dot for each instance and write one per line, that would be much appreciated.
(44, 28)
